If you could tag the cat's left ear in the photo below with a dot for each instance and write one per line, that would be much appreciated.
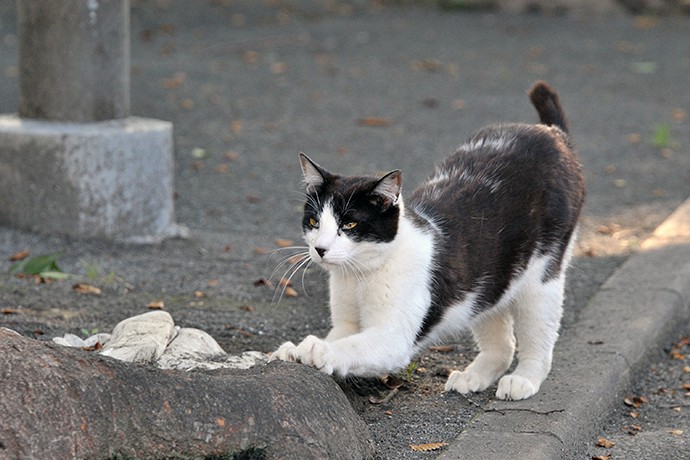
(389, 187)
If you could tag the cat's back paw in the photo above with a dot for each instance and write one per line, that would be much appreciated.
(515, 387)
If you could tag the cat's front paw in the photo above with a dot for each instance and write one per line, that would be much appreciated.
(316, 352)
(467, 382)
(515, 387)
(286, 352)
(311, 351)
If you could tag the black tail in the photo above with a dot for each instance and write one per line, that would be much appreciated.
(546, 101)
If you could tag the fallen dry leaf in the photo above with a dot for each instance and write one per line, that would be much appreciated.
(222, 168)
(199, 294)
(634, 414)
(392, 381)
(231, 155)
(375, 122)
(283, 243)
(284, 282)
(676, 432)
(9, 311)
(635, 401)
(263, 282)
(84, 288)
(428, 447)
(601, 457)
(236, 126)
(156, 305)
(260, 250)
(17, 256)
(430, 65)
(296, 259)
(605, 443)
(290, 292)
(443, 348)
(248, 308)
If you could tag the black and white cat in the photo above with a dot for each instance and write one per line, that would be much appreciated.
(484, 243)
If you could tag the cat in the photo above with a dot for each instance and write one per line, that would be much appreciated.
(483, 244)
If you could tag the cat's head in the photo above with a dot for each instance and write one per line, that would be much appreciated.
(349, 221)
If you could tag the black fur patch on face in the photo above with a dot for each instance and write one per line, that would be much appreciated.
(354, 200)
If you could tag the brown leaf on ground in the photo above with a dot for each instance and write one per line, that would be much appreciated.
(375, 122)
(605, 443)
(428, 447)
(284, 282)
(84, 288)
(156, 305)
(247, 308)
(261, 251)
(601, 457)
(17, 256)
(635, 401)
(676, 432)
(283, 243)
(290, 292)
(296, 259)
(263, 282)
(443, 348)
(9, 311)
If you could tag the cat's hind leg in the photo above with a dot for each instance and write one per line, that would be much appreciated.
(494, 335)
(537, 314)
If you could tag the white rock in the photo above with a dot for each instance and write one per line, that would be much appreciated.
(190, 349)
(141, 338)
(71, 340)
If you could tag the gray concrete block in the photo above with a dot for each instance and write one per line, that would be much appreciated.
(110, 179)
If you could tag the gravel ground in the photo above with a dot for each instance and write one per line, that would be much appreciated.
(250, 84)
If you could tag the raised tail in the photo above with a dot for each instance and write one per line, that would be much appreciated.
(548, 105)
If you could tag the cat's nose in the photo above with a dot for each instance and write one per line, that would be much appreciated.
(320, 251)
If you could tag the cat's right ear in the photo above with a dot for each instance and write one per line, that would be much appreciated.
(314, 175)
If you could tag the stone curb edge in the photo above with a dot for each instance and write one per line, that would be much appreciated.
(636, 311)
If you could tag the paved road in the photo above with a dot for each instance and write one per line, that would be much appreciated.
(250, 84)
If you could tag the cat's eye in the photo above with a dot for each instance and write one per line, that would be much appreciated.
(313, 222)
(349, 225)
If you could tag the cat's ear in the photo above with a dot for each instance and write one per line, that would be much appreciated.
(314, 175)
(389, 187)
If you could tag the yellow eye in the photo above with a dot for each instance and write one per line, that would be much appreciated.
(313, 222)
(349, 225)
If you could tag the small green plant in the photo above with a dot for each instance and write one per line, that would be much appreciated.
(662, 136)
(86, 332)
(91, 270)
(407, 373)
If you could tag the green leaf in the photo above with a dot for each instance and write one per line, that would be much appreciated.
(662, 136)
(56, 275)
(36, 265)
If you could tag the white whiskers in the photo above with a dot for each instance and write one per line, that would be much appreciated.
(294, 263)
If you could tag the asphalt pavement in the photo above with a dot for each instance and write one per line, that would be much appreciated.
(362, 88)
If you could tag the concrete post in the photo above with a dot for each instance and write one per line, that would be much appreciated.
(74, 162)
(74, 59)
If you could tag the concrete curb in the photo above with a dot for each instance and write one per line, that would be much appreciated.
(622, 327)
